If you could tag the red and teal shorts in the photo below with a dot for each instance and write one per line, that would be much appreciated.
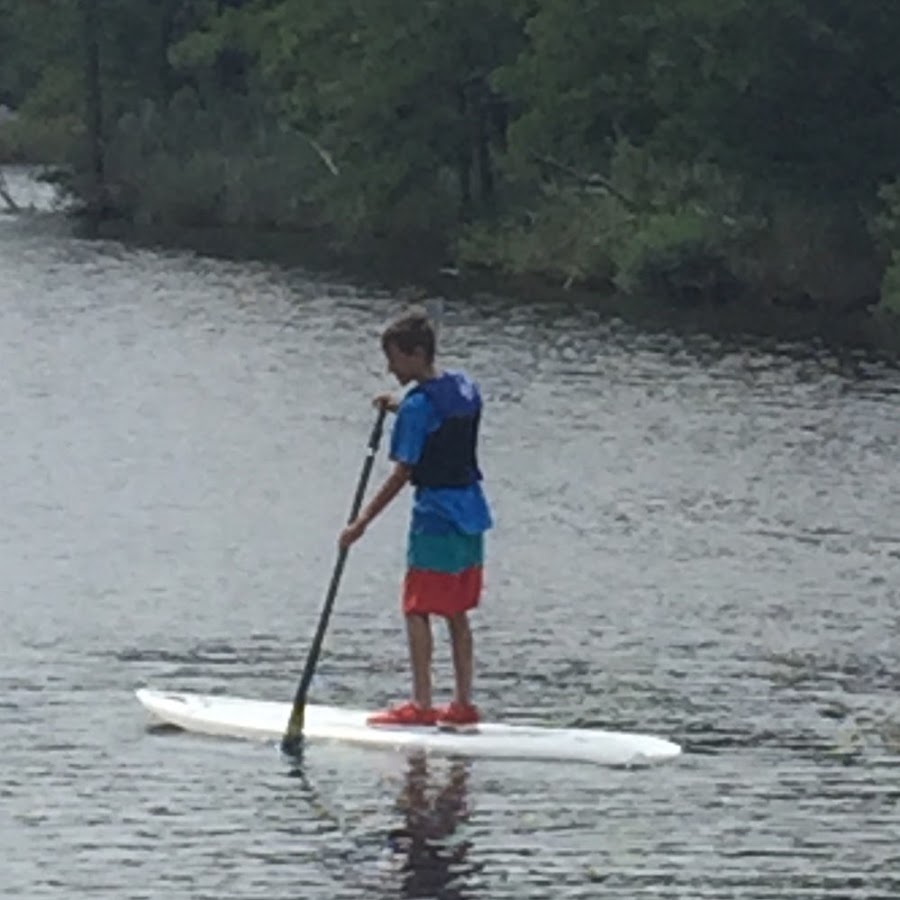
(444, 573)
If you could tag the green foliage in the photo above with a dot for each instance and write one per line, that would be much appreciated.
(680, 256)
(678, 147)
(690, 223)
(885, 227)
(800, 93)
(189, 165)
(568, 236)
(37, 52)
(890, 286)
(582, 80)
(651, 226)
(39, 140)
(885, 222)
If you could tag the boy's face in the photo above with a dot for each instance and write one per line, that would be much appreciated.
(405, 367)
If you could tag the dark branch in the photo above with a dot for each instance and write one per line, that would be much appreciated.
(589, 180)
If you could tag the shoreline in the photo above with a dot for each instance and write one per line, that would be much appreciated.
(391, 265)
(421, 265)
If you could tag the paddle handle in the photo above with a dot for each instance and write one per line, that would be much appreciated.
(371, 450)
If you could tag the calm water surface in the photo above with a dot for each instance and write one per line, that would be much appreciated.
(694, 540)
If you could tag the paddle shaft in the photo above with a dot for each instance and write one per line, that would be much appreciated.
(295, 724)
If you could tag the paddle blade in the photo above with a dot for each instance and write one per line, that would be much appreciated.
(292, 742)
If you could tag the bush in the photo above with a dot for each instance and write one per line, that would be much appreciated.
(680, 256)
(190, 164)
(647, 227)
(387, 198)
(187, 165)
(38, 141)
(569, 235)
(890, 287)
(885, 228)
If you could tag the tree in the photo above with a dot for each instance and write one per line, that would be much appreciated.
(584, 79)
(400, 93)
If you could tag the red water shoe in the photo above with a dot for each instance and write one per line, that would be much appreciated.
(458, 717)
(406, 714)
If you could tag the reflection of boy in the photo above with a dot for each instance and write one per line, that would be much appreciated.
(434, 446)
(431, 862)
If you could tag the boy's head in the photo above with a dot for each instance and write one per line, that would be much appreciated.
(409, 345)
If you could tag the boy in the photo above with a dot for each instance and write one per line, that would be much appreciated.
(433, 446)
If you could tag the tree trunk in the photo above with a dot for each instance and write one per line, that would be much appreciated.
(483, 149)
(464, 163)
(166, 36)
(93, 109)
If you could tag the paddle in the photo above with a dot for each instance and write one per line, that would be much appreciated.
(293, 737)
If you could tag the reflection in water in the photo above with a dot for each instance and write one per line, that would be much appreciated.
(421, 857)
(425, 851)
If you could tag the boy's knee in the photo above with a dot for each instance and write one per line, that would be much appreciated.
(458, 621)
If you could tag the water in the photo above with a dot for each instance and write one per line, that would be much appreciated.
(694, 539)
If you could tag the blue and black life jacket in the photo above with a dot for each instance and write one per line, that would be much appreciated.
(450, 457)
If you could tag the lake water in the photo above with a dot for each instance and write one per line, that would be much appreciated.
(695, 538)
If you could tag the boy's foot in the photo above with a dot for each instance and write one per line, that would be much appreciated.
(458, 717)
(409, 713)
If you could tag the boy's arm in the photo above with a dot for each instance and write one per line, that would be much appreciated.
(407, 443)
(393, 484)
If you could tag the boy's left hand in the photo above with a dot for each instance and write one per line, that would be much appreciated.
(352, 533)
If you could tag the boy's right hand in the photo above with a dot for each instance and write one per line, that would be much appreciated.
(386, 401)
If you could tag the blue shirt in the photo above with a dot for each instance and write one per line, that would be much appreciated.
(435, 510)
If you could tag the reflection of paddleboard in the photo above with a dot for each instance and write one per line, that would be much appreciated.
(266, 720)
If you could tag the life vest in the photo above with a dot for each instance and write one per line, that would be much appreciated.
(450, 457)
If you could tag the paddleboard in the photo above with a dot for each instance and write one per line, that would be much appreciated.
(265, 720)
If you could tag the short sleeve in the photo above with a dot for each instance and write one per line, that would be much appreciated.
(410, 430)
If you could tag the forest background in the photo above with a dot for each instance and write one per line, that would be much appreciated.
(704, 152)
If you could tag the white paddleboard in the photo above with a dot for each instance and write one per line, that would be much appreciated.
(266, 721)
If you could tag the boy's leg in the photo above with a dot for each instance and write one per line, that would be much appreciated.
(418, 632)
(461, 638)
